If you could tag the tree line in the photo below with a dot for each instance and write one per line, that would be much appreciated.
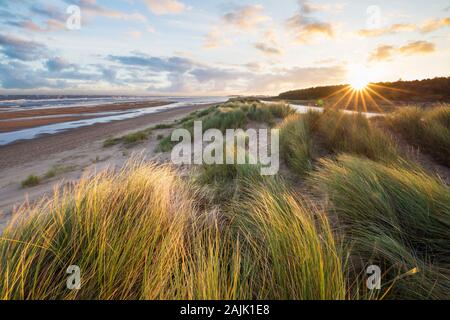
(437, 89)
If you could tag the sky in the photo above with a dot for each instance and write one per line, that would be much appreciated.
(197, 47)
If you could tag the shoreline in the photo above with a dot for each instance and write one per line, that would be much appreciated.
(23, 151)
(11, 121)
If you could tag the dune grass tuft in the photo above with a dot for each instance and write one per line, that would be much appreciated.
(355, 134)
(128, 139)
(396, 218)
(427, 129)
(31, 181)
(290, 243)
(296, 143)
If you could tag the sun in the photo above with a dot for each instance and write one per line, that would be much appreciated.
(359, 84)
(359, 77)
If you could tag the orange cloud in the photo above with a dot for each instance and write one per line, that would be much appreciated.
(434, 24)
(395, 28)
(162, 7)
(418, 47)
(387, 52)
(304, 27)
(247, 17)
(382, 53)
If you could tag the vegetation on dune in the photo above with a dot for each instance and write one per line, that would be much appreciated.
(173, 250)
(235, 115)
(231, 115)
(165, 144)
(162, 126)
(290, 244)
(225, 118)
(353, 133)
(57, 170)
(296, 143)
(396, 218)
(427, 129)
(135, 137)
(148, 206)
(224, 181)
(31, 181)
(128, 139)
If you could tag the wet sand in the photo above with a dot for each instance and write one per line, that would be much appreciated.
(21, 152)
(14, 125)
(17, 120)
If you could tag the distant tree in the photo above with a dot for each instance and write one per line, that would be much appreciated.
(437, 89)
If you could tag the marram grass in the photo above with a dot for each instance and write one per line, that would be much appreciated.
(427, 129)
(394, 217)
(144, 233)
(353, 133)
(296, 143)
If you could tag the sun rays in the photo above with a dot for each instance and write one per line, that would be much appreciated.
(361, 93)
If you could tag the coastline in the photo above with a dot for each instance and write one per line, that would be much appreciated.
(23, 151)
(24, 119)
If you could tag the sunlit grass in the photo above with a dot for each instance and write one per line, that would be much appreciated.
(427, 129)
(296, 142)
(355, 134)
(396, 218)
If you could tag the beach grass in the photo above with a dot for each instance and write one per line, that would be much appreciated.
(296, 143)
(128, 139)
(396, 218)
(426, 129)
(173, 249)
(31, 181)
(353, 133)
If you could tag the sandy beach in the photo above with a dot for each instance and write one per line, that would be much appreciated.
(73, 153)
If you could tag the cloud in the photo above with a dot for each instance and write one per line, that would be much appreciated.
(246, 17)
(173, 74)
(57, 64)
(53, 18)
(19, 49)
(382, 53)
(178, 74)
(266, 49)
(159, 64)
(17, 75)
(418, 47)
(91, 8)
(48, 11)
(162, 7)
(388, 52)
(136, 34)
(426, 27)
(395, 28)
(295, 78)
(215, 38)
(207, 74)
(434, 24)
(304, 27)
(309, 7)
(234, 22)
